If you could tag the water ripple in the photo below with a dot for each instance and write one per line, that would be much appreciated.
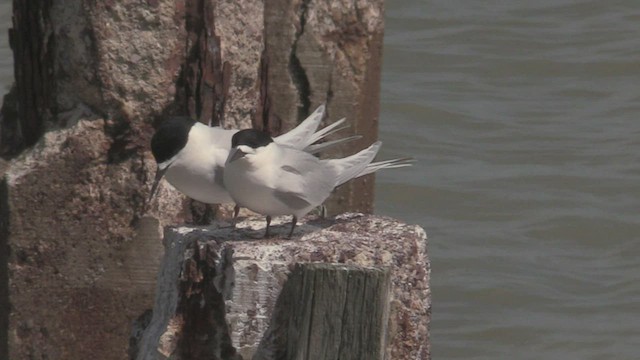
(523, 117)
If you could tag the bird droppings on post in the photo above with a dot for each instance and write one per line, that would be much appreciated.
(261, 267)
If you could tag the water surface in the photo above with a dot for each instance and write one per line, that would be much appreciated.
(525, 120)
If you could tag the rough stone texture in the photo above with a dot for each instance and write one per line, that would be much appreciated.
(92, 78)
(139, 52)
(250, 272)
(119, 59)
(4, 271)
(240, 25)
(96, 271)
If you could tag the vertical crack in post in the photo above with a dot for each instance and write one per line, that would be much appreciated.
(205, 333)
(200, 54)
(261, 119)
(140, 324)
(296, 70)
(10, 131)
(311, 279)
(33, 48)
(205, 78)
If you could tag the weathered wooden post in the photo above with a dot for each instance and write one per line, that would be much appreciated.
(329, 311)
(354, 288)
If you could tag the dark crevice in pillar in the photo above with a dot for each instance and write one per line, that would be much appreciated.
(137, 330)
(33, 52)
(296, 70)
(203, 84)
(10, 132)
(122, 147)
(264, 118)
(202, 214)
(260, 119)
(205, 334)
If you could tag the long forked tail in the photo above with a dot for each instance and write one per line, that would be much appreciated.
(387, 164)
(360, 164)
(351, 166)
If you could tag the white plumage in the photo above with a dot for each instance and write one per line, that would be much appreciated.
(191, 155)
(274, 179)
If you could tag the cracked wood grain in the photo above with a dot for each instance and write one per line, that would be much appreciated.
(329, 311)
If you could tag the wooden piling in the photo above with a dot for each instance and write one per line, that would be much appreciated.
(329, 311)
(353, 288)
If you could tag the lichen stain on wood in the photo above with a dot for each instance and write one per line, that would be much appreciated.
(206, 333)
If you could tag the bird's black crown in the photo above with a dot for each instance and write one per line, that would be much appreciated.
(251, 137)
(170, 137)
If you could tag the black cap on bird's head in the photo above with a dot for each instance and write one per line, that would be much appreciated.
(170, 137)
(247, 138)
(251, 137)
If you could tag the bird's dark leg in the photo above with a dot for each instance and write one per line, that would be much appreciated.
(294, 221)
(236, 210)
(268, 223)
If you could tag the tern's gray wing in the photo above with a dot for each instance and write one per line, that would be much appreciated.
(295, 201)
(303, 179)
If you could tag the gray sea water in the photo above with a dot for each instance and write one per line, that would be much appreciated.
(6, 56)
(525, 120)
(524, 117)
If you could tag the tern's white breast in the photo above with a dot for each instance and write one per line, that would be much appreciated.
(197, 170)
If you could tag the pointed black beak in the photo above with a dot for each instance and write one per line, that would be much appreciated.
(156, 181)
(237, 154)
